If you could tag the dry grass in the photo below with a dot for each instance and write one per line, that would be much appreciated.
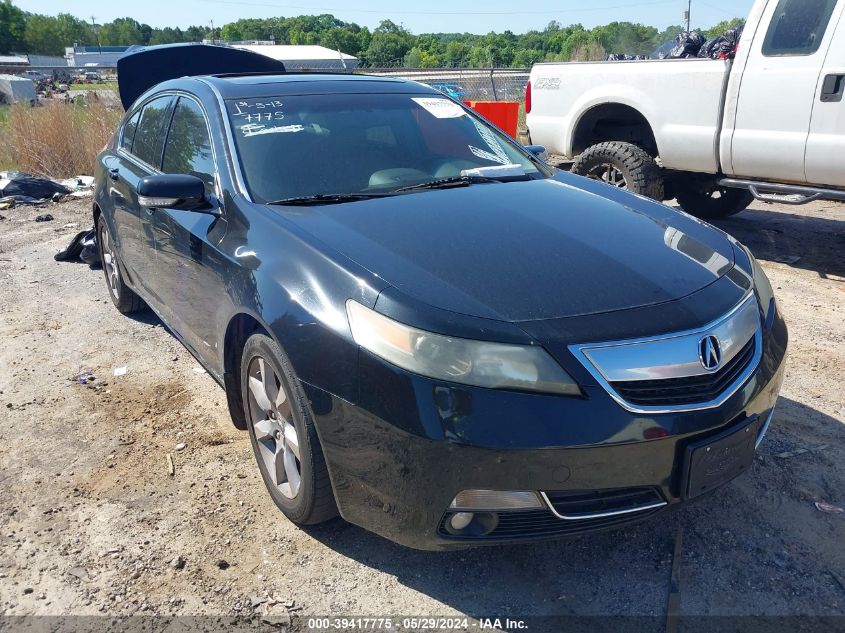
(56, 140)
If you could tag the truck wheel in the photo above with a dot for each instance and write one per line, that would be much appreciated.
(622, 165)
(706, 198)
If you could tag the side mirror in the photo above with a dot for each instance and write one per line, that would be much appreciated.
(175, 191)
(539, 151)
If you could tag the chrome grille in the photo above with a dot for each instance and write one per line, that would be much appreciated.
(689, 390)
(663, 374)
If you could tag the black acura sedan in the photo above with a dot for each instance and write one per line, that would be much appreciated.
(422, 326)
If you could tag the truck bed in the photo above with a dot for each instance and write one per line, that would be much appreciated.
(681, 98)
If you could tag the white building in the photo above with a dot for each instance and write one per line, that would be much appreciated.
(302, 57)
(93, 56)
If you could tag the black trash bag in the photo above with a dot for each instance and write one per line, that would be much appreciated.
(90, 253)
(73, 249)
(30, 189)
(710, 48)
(732, 37)
(687, 45)
(82, 247)
(724, 46)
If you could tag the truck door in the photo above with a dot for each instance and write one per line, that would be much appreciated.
(825, 161)
(778, 89)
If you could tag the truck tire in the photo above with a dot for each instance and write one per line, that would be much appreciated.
(706, 198)
(622, 165)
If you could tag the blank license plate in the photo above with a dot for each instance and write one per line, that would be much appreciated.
(716, 460)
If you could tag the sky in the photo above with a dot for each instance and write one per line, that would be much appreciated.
(428, 16)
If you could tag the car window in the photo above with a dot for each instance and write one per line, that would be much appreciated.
(128, 132)
(188, 146)
(149, 136)
(798, 27)
(304, 145)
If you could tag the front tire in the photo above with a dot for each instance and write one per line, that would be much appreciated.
(705, 198)
(123, 297)
(622, 165)
(282, 433)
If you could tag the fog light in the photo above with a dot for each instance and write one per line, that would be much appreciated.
(471, 524)
(460, 520)
(496, 500)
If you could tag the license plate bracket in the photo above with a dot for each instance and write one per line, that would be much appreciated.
(716, 460)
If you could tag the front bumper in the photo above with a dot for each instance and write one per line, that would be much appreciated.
(399, 457)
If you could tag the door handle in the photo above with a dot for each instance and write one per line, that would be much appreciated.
(114, 173)
(832, 88)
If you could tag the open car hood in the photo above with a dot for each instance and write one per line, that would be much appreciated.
(145, 66)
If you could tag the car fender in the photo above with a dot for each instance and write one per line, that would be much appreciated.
(296, 289)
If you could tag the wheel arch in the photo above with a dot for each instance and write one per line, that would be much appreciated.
(241, 326)
(613, 121)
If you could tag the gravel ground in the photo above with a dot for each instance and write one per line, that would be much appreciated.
(92, 523)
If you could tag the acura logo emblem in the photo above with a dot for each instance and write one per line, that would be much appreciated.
(709, 352)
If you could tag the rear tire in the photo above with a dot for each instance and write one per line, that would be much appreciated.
(622, 165)
(705, 198)
(123, 298)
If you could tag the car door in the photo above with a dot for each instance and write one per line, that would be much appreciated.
(189, 265)
(778, 89)
(825, 159)
(127, 225)
(133, 161)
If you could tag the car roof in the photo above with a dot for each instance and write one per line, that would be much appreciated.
(242, 86)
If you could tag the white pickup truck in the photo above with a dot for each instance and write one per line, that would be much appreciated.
(713, 134)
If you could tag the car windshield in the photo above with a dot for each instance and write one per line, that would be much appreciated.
(322, 145)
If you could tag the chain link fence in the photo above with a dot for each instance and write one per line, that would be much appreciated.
(466, 84)
(463, 84)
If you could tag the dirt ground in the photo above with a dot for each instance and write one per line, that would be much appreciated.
(92, 523)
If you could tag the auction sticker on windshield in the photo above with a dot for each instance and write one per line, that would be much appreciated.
(441, 108)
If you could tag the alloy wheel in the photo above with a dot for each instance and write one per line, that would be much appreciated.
(271, 418)
(608, 174)
(110, 262)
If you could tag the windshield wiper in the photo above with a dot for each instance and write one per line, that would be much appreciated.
(328, 198)
(445, 183)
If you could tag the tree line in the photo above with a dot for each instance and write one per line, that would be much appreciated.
(387, 45)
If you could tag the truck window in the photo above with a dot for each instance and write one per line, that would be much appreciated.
(798, 27)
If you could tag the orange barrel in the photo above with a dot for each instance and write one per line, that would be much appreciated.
(502, 114)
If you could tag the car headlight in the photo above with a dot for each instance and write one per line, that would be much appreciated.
(478, 363)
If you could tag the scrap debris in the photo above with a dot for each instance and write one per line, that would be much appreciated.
(83, 246)
(28, 189)
(801, 451)
(821, 506)
(85, 378)
(673, 606)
